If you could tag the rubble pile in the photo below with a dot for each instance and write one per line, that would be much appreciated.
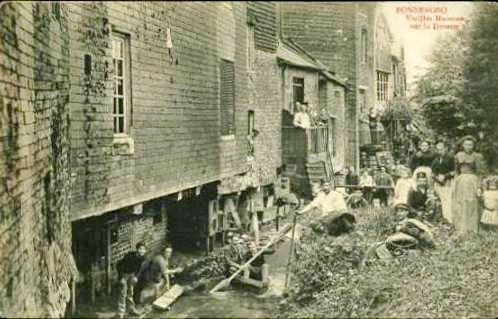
(453, 279)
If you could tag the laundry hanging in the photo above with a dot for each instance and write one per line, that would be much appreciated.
(169, 45)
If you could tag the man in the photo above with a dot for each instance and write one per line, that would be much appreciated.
(443, 170)
(131, 267)
(424, 157)
(383, 179)
(157, 275)
(327, 201)
(352, 179)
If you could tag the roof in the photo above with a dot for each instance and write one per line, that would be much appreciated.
(291, 53)
(291, 57)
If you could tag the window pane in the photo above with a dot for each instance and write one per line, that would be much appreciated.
(114, 47)
(120, 106)
(119, 69)
(116, 125)
(121, 124)
(114, 108)
(120, 87)
(118, 48)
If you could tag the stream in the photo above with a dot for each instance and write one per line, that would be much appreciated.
(236, 302)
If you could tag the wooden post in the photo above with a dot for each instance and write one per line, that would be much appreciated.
(73, 297)
(291, 254)
(108, 259)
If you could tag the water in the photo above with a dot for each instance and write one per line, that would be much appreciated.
(236, 302)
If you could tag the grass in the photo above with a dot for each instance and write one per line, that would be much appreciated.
(458, 278)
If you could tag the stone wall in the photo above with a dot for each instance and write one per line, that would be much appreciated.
(36, 264)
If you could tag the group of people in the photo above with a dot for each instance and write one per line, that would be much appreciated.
(452, 180)
(305, 117)
(142, 277)
(373, 186)
(434, 185)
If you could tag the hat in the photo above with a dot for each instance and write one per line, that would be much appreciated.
(467, 138)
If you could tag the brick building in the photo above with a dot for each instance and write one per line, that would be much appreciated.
(126, 122)
(37, 269)
(354, 42)
(315, 153)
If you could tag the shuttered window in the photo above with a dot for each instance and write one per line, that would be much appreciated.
(227, 97)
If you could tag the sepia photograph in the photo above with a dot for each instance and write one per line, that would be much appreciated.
(248, 159)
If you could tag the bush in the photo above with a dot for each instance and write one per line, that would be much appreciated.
(456, 279)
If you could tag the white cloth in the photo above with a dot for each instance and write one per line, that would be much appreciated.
(401, 190)
(302, 120)
(444, 192)
(490, 203)
(333, 201)
(169, 42)
(367, 181)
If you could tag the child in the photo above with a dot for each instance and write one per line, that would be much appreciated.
(367, 184)
(402, 187)
(489, 218)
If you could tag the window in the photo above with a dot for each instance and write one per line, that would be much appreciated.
(227, 97)
(121, 99)
(364, 45)
(395, 79)
(382, 82)
(297, 91)
(250, 122)
(250, 47)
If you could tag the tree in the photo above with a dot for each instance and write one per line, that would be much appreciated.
(481, 75)
(440, 89)
(458, 95)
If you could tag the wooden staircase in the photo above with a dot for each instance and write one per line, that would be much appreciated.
(318, 170)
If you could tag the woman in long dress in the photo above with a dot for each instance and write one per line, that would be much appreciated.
(365, 136)
(465, 194)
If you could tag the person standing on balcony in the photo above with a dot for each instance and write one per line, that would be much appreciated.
(301, 118)
(365, 136)
(372, 122)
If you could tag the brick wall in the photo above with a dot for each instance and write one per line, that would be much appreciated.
(335, 105)
(35, 233)
(175, 107)
(265, 100)
(265, 91)
(328, 32)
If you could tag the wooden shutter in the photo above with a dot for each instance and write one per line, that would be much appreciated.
(227, 98)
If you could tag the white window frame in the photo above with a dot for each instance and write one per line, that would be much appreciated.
(382, 86)
(122, 56)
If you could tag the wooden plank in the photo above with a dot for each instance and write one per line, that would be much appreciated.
(277, 237)
(168, 297)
